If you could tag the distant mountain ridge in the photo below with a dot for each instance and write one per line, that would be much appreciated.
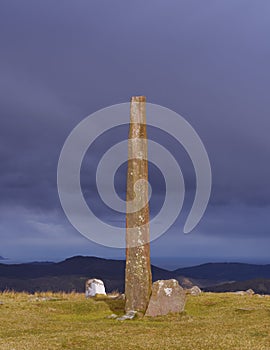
(71, 274)
(226, 271)
(258, 285)
(68, 275)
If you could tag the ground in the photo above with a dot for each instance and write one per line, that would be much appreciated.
(69, 321)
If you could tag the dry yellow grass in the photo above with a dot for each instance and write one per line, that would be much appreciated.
(68, 321)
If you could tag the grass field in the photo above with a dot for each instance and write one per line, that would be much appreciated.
(68, 321)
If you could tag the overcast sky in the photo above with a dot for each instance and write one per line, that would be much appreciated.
(207, 60)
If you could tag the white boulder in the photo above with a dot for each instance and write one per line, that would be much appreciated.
(93, 287)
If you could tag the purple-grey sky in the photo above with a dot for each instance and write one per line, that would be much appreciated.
(207, 60)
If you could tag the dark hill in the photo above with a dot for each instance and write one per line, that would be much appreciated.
(260, 286)
(72, 273)
(78, 265)
(225, 271)
(68, 275)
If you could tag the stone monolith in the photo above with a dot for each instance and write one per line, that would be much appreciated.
(138, 278)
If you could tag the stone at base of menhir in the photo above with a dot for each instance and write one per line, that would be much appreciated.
(128, 316)
(93, 287)
(167, 297)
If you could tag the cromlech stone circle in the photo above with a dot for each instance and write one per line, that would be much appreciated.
(93, 287)
(167, 297)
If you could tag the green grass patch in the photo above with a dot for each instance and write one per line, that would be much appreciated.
(47, 321)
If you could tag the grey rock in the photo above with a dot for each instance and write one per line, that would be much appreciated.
(93, 287)
(113, 316)
(247, 292)
(128, 316)
(47, 299)
(167, 297)
(195, 290)
(240, 292)
(121, 297)
(116, 296)
(246, 309)
(250, 291)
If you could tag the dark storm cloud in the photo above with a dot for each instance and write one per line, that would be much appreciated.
(208, 61)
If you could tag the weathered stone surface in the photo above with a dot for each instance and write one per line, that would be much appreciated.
(195, 290)
(250, 291)
(185, 282)
(128, 316)
(138, 278)
(167, 296)
(93, 287)
(116, 296)
(240, 292)
(121, 297)
(247, 292)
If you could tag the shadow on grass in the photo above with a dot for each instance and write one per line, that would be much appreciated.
(117, 306)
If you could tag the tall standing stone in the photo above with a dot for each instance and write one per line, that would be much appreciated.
(138, 279)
